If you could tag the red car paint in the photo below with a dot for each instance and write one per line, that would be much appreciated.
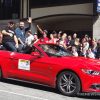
(44, 69)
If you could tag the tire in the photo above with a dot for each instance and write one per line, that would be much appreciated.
(0, 74)
(68, 83)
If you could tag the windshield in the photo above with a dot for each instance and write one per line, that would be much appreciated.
(55, 50)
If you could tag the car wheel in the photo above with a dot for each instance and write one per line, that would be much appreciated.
(68, 83)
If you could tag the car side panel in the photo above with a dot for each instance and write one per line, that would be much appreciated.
(39, 71)
(5, 63)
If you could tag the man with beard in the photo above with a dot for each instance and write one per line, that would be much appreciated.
(21, 30)
(10, 40)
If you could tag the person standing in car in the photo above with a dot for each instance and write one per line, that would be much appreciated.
(21, 31)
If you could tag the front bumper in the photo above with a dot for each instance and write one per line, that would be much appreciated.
(95, 86)
(90, 83)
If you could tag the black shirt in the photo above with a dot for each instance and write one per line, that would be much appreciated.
(8, 38)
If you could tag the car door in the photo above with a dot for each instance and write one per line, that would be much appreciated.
(20, 65)
(30, 67)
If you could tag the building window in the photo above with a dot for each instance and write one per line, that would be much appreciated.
(7, 3)
(9, 9)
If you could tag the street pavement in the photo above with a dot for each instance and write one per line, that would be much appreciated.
(14, 90)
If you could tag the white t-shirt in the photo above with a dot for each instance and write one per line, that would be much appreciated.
(61, 43)
(91, 55)
(29, 39)
(86, 45)
(75, 54)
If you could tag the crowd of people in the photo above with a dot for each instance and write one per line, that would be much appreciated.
(20, 39)
(85, 47)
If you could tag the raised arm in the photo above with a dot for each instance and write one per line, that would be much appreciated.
(40, 30)
(30, 22)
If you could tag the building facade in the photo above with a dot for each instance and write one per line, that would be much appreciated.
(70, 15)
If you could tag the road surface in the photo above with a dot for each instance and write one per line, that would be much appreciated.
(14, 90)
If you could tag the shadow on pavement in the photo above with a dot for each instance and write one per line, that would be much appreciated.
(90, 96)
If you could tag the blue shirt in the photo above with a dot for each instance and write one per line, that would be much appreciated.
(20, 34)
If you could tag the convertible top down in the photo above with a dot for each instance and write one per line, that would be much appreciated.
(51, 65)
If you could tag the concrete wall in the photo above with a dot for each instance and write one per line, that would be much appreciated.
(74, 24)
(68, 9)
(24, 8)
(96, 27)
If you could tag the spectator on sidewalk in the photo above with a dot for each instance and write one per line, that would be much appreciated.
(44, 33)
(82, 52)
(62, 41)
(73, 38)
(51, 40)
(85, 44)
(77, 44)
(98, 49)
(90, 54)
(59, 34)
(74, 51)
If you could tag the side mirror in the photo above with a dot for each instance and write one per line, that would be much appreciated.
(35, 54)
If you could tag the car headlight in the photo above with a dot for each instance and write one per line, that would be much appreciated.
(91, 72)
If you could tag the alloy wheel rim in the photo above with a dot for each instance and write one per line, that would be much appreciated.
(67, 83)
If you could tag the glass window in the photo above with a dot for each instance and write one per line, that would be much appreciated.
(9, 9)
(55, 50)
(8, 3)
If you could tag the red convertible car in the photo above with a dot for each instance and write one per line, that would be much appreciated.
(51, 65)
